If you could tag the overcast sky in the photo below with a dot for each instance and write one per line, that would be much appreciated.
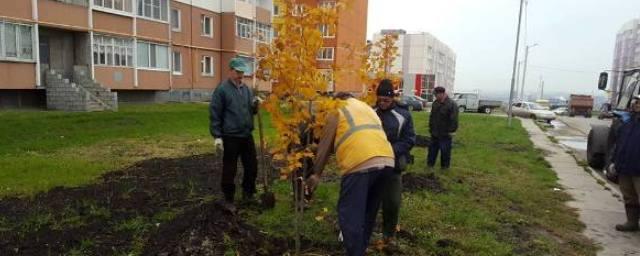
(576, 37)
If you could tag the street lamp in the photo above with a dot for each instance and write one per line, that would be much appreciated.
(524, 71)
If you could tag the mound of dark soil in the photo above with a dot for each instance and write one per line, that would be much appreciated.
(412, 182)
(159, 206)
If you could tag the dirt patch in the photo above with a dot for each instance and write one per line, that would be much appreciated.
(412, 182)
(158, 206)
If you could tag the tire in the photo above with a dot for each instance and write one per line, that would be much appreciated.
(534, 117)
(597, 147)
(571, 114)
(462, 109)
(487, 111)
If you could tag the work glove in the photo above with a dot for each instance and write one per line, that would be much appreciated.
(257, 100)
(217, 143)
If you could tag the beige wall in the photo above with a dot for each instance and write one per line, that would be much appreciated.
(63, 14)
(20, 9)
(17, 75)
(115, 77)
(153, 80)
(106, 22)
(152, 30)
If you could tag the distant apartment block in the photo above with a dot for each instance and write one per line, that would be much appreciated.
(341, 43)
(84, 55)
(424, 61)
(626, 54)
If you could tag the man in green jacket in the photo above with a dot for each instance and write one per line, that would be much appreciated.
(231, 114)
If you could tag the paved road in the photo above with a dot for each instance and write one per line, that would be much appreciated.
(597, 205)
(581, 124)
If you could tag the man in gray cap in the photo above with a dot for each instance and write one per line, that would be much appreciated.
(231, 114)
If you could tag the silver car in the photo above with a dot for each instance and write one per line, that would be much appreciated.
(533, 111)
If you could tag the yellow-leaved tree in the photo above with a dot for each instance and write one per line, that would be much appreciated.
(376, 66)
(298, 103)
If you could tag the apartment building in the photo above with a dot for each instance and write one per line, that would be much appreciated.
(626, 54)
(424, 60)
(86, 55)
(341, 43)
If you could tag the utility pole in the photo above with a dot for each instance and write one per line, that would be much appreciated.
(515, 64)
(524, 71)
(517, 89)
(541, 88)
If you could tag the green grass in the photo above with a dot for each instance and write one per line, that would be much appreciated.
(499, 200)
(499, 197)
(43, 149)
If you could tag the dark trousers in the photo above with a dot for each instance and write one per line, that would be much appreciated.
(360, 195)
(391, 200)
(245, 148)
(442, 144)
(630, 188)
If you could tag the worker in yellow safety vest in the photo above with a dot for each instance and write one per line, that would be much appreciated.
(365, 159)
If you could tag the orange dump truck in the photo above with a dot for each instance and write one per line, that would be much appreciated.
(580, 105)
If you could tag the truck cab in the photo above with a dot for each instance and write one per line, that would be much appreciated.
(471, 102)
(602, 138)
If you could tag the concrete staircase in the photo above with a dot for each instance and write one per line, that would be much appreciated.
(81, 94)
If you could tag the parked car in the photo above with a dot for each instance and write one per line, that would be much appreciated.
(561, 111)
(471, 102)
(414, 103)
(533, 111)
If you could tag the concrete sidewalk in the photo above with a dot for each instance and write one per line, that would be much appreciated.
(600, 209)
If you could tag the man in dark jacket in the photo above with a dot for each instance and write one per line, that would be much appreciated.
(398, 126)
(443, 123)
(231, 124)
(627, 164)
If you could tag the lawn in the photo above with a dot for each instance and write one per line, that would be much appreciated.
(498, 198)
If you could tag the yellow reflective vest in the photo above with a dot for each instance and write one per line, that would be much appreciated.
(359, 136)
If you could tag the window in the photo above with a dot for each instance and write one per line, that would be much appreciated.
(207, 26)
(112, 51)
(327, 75)
(298, 10)
(16, 41)
(153, 9)
(328, 4)
(325, 53)
(263, 32)
(176, 22)
(328, 31)
(276, 10)
(117, 5)
(177, 63)
(206, 66)
(153, 56)
(244, 27)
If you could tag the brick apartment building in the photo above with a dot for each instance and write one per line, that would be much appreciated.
(84, 55)
(88, 55)
(351, 31)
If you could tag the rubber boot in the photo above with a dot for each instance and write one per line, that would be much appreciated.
(633, 214)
